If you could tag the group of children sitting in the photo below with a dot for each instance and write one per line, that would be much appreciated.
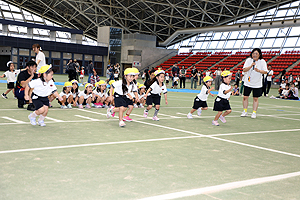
(287, 91)
(91, 96)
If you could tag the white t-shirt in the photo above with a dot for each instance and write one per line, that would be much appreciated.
(167, 78)
(12, 76)
(142, 96)
(40, 56)
(282, 85)
(207, 73)
(295, 92)
(218, 72)
(223, 88)
(269, 78)
(203, 93)
(118, 87)
(64, 94)
(86, 96)
(75, 94)
(176, 78)
(42, 89)
(156, 89)
(255, 80)
(285, 92)
(104, 94)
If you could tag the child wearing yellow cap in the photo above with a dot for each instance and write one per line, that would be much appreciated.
(86, 96)
(41, 89)
(222, 100)
(141, 94)
(67, 96)
(101, 97)
(200, 100)
(153, 94)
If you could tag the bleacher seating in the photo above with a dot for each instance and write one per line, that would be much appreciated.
(211, 60)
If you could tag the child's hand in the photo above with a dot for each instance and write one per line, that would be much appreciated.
(212, 88)
(166, 102)
(26, 97)
(212, 95)
(60, 98)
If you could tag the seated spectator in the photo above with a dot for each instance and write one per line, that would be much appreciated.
(293, 92)
(235, 91)
(95, 78)
(285, 92)
(176, 78)
(23, 79)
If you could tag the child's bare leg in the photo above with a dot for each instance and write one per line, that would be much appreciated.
(63, 101)
(7, 91)
(89, 100)
(80, 100)
(70, 99)
(218, 115)
(193, 110)
(121, 110)
(227, 112)
(130, 108)
(204, 108)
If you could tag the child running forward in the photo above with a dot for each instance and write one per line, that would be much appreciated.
(42, 88)
(222, 100)
(153, 94)
(200, 100)
(11, 76)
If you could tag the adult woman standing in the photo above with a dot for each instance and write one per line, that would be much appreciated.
(182, 74)
(255, 66)
(40, 56)
(217, 73)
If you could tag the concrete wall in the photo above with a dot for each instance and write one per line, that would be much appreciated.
(5, 51)
(143, 49)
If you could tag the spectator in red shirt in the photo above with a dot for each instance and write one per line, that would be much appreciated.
(94, 78)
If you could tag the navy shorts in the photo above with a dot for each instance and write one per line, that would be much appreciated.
(121, 100)
(199, 104)
(10, 85)
(40, 102)
(20, 92)
(257, 92)
(221, 104)
(153, 99)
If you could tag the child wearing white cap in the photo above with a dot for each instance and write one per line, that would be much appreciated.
(11, 76)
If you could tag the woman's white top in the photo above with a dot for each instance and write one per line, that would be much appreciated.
(42, 89)
(40, 56)
(255, 80)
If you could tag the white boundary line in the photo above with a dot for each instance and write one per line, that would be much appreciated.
(223, 187)
(84, 117)
(14, 120)
(56, 120)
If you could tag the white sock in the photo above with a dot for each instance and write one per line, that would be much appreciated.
(33, 115)
(41, 118)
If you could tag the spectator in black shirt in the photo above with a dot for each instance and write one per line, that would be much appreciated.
(194, 77)
(22, 81)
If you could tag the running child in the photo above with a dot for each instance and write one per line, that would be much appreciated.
(67, 96)
(11, 76)
(121, 95)
(200, 100)
(86, 97)
(133, 93)
(222, 100)
(153, 94)
(42, 88)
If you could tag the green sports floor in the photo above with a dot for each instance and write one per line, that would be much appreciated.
(81, 154)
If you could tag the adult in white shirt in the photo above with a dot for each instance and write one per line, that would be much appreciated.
(40, 56)
(218, 78)
(255, 66)
(269, 79)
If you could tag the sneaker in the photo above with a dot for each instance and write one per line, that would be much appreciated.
(31, 107)
(104, 106)
(63, 107)
(41, 123)
(253, 116)
(244, 114)
(145, 114)
(108, 113)
(98, 106)
(267, 95)
(222, 119)
(87, 106)
(127, 119)
(4, 96)
(155, 118)
(215, 123)
(122, 124)
(50, 105)
(15, 97)
(69, 106)
(135, 106)
(32, 120)
(190, 116)
(93, 105)
(199, 111)
(80, 106)
(141, 106)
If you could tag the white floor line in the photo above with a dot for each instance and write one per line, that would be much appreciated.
(56, 120)
(206, 116)
(223, 187)
(197, 135)
(167, 115)
(84, 117)
(14, 120)
(53, 122)
(95, 144)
